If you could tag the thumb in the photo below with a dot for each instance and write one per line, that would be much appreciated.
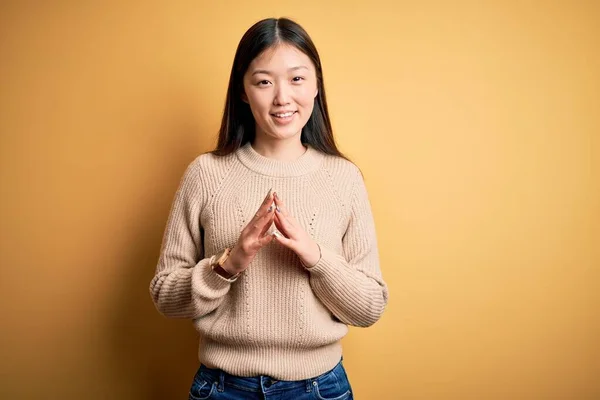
(278, 237)
(265, 240)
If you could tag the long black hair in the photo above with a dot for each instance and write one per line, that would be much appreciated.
(238, 125)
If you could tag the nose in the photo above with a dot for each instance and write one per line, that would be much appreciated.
(282, 95)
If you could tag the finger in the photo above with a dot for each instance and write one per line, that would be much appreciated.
(265, 220)
(285, 220)
(262, 210)
(281, 225)
(268, 224)
(265, 240)
(268, 197)
(278, 237)
(280, 204)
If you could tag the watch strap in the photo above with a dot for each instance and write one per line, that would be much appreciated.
(223, 272)
(217, 262)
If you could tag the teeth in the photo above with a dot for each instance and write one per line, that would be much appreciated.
(289, 114)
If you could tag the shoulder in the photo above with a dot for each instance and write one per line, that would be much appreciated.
(210, 165)
(342, 170)
(344, 177)
(206, 172)
(203, 176)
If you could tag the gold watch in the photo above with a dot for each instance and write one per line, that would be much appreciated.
(217, 261)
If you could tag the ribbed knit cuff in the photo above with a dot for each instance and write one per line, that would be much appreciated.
(327, 265)
(209, 279)
(230, 280)
(320, 256)
(351, 295)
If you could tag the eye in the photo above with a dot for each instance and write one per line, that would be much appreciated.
(298, 79)
(263, 83)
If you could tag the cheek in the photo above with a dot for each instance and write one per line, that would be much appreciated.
(259, 103)
(306, 96)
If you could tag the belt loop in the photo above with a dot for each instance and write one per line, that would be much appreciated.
(221, 386)
(308, 385)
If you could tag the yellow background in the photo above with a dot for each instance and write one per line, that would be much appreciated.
(476, 125)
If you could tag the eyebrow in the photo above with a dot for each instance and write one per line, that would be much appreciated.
(264, 71)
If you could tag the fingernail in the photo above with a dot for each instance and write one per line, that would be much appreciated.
(278, 209)
(269, 194)
(276, 233)
(275, 194)
(271, 208)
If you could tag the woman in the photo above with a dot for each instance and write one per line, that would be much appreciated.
(270, 246)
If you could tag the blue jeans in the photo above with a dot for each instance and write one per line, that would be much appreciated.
(219, 385)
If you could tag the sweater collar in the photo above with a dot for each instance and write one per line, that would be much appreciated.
(306, 163)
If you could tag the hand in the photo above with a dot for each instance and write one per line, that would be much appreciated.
(252, 238)
(294, 237)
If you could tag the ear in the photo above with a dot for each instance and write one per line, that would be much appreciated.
(316, 92)
(244, 97)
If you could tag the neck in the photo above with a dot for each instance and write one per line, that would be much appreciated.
(304, 164)
(279, 149)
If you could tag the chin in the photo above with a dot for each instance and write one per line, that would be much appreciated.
(280, 136)
(284, 133)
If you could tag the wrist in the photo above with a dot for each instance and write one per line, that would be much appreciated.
(221, 267)
(232, 265)
(313, 258)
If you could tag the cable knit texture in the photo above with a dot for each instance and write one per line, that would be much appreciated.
(277, 318)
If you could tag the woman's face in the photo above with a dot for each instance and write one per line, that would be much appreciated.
(280, 86)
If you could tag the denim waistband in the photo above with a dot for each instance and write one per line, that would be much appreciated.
(260, 382)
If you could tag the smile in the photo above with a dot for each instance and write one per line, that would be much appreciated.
(284, 115)
(284, 118)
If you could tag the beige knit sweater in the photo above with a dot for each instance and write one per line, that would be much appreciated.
(278, 318)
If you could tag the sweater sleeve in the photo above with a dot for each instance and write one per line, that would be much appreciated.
(350, 285)
(184, 285)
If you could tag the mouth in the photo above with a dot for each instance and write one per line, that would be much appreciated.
(284, 115)
(283, 118)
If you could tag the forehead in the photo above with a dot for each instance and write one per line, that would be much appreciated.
(280, 57)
